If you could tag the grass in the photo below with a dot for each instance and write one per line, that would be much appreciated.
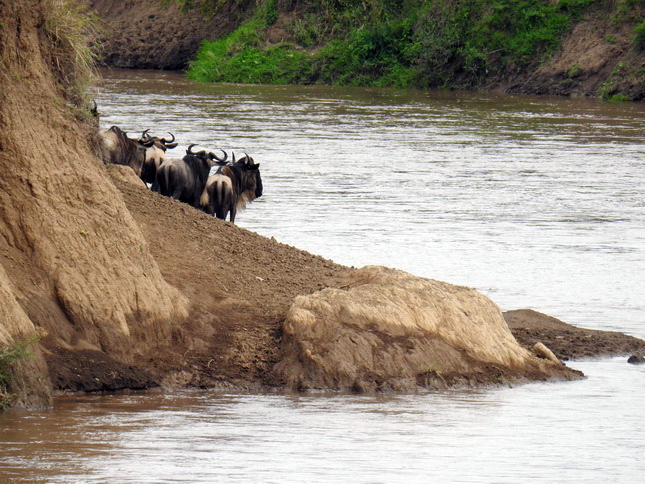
(399, 43)
(639, 36)
(9, 356)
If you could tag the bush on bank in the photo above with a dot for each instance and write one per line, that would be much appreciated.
(396, 43)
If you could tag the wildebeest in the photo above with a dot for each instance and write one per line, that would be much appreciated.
(115, 147)
(231, 188)
(185, 179)
(155, 154)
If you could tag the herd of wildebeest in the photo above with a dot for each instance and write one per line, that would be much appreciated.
(187, 179)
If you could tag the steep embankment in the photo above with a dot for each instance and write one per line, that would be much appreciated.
(76, 267)
(151, 34)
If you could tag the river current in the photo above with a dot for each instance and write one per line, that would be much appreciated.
(536, 202)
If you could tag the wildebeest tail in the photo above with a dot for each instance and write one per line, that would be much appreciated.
(205, 199)
(224, 199)
(217, 198)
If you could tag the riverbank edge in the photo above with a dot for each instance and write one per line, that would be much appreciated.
(597, 57)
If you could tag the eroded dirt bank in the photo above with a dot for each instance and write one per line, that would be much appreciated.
(76, 271)
(151, 34)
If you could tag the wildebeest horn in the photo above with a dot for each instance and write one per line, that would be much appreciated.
(213, 156)
(189, 151)
(170, 144)
(167, 142)
(247, 161)
(146, 139)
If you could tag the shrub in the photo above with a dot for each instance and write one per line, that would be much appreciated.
(9, 356)
(639, 35)
(403, 43)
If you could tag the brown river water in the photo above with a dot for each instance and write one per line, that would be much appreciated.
(536, 202)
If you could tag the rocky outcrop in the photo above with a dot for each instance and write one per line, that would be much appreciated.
(386, 329)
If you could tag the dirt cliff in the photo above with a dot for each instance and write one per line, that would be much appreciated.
(74, 259)
(151, 34)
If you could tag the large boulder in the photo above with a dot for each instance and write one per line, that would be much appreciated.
(387, 329)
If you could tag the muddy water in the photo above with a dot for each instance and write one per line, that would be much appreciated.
(536, 202)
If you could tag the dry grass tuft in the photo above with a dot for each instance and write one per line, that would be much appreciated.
(71, 26)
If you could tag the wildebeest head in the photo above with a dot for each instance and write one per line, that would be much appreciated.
(156, 147)
(252, 181)
(202, 155)
(155, 154)
(160, 143)
(200, 162)
(116, 147)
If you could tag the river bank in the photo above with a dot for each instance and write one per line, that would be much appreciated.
(597, 56)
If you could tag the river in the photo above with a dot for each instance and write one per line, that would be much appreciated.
(536, 202)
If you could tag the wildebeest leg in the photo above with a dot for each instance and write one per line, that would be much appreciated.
(177, 192)
(233, 212)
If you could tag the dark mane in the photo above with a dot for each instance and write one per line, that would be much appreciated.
(198, 165)
(127, 149)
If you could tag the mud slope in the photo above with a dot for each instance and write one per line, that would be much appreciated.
(240, 284)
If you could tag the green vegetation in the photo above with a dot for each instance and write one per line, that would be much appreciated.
(239, 58)
(400, 43)
(9, 356)
(639, 35)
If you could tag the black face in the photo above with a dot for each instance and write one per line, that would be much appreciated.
(258, 183)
